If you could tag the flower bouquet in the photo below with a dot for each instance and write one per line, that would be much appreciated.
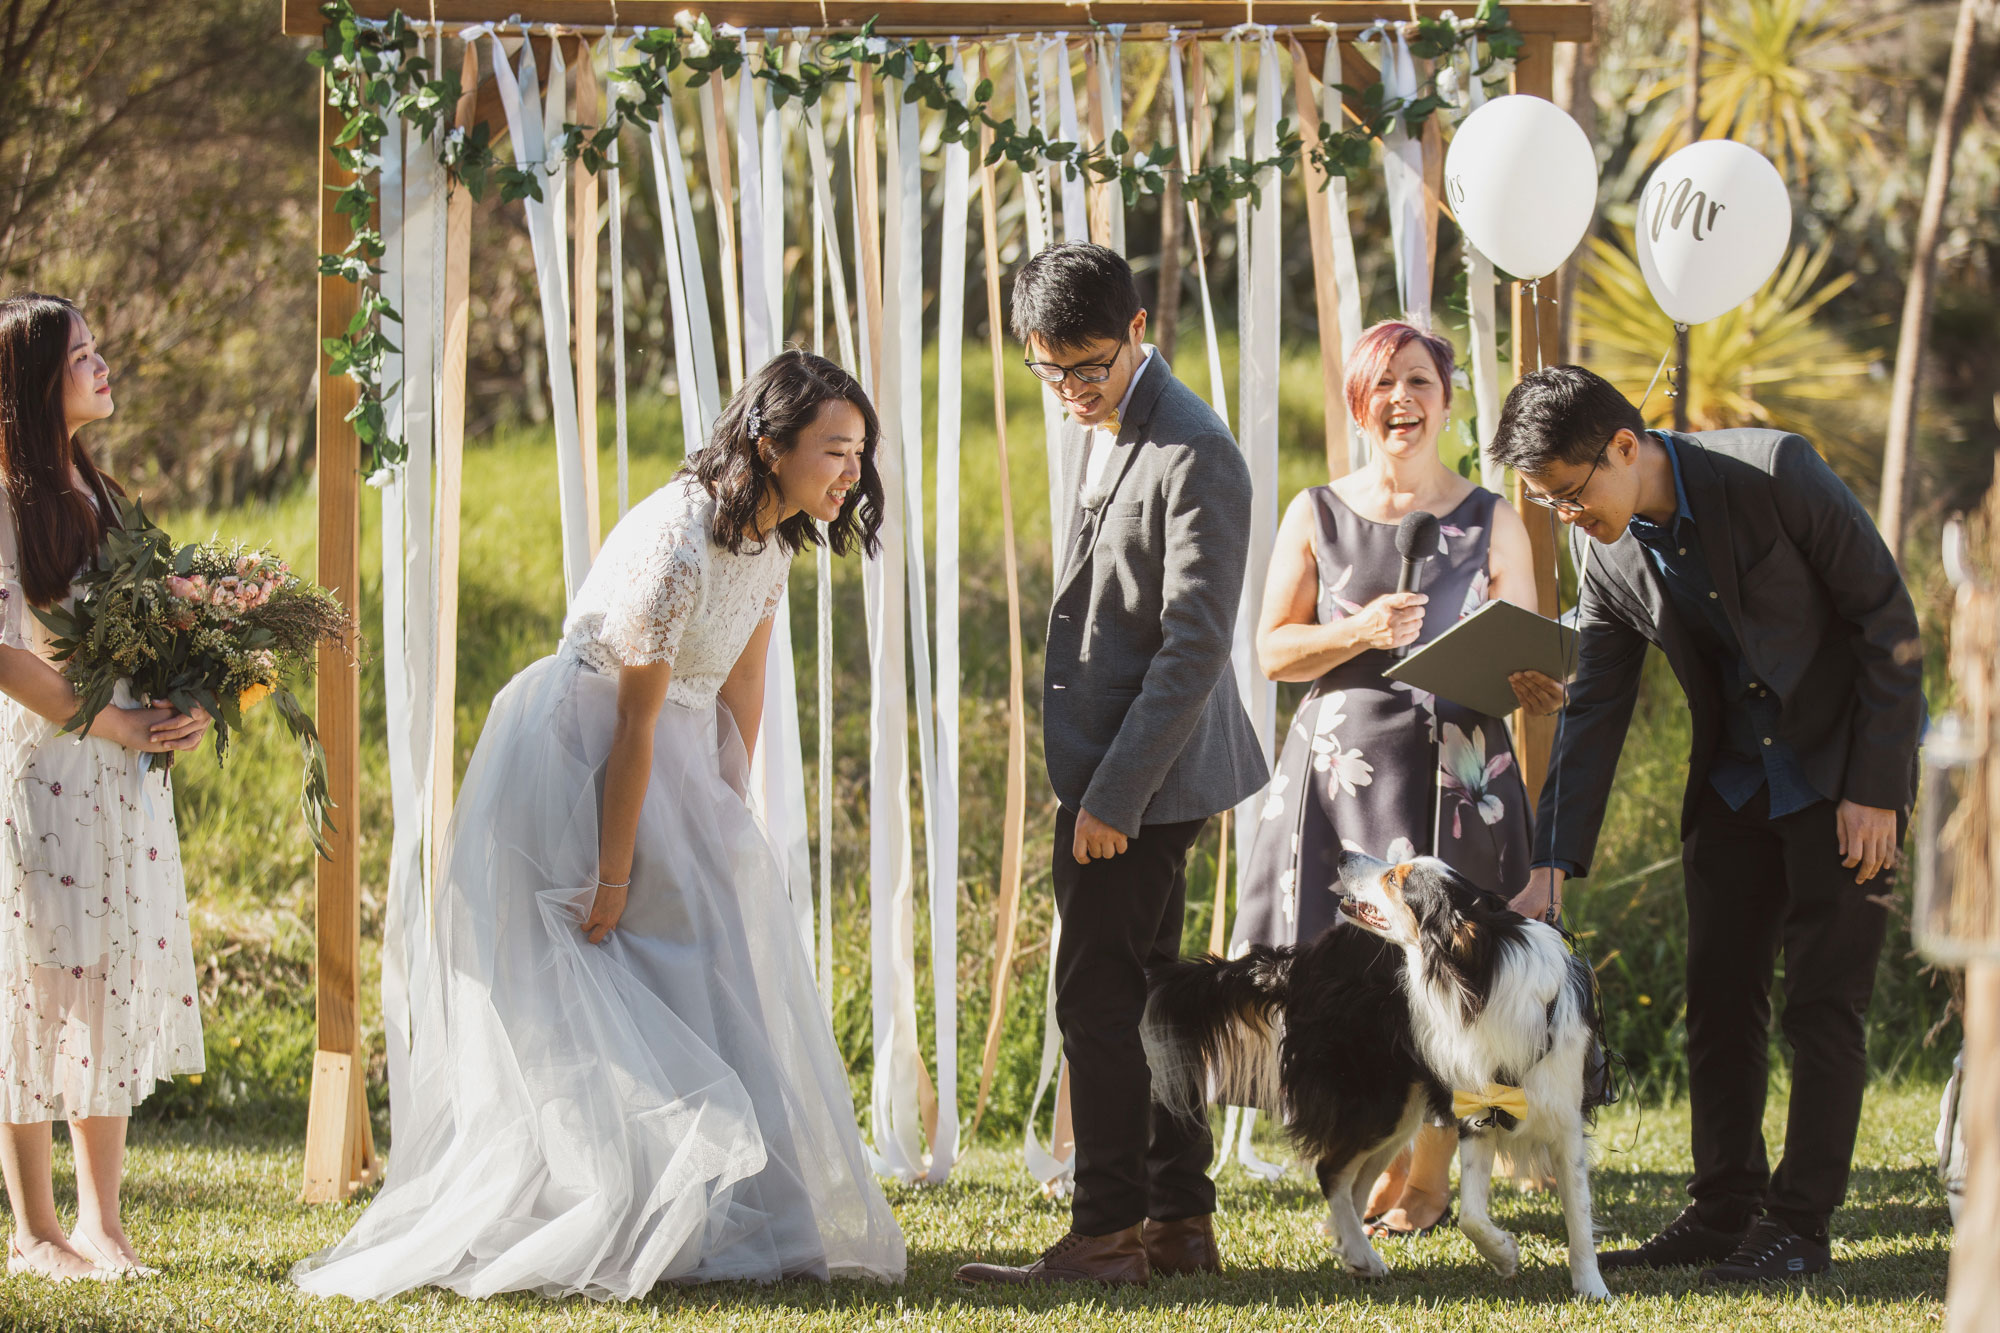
(208, 624)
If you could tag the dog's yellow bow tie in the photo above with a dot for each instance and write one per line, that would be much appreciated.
(1478, 1106)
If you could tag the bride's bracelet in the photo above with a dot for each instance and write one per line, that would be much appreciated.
(607, 884)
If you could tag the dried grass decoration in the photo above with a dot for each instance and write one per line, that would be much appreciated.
(208, 624)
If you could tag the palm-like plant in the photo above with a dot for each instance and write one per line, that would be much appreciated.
(1772, 361)
(1777, 74)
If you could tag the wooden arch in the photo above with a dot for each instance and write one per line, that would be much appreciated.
(340, 1152)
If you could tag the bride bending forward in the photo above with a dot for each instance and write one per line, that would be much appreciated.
(620, 1071)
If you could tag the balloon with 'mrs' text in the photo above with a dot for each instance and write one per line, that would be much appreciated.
(1714, 220)
(1522, 180)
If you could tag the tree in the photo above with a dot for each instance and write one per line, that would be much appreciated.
(1918, 298)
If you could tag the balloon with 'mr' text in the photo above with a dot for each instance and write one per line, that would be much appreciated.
(1522, 181)
(1714, 220)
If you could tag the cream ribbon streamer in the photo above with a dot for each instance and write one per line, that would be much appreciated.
(1346, 273)
(524, 126)
(895, 1113)
(1039, 208)
(1479, 284)
(1111, 96)
(615, 203)
(1239, 149)
(1218, 393)
(1258, 434)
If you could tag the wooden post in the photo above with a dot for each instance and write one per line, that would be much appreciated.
(340, 1146)
(583, 190)
(1537, 342)
(1975, 1259)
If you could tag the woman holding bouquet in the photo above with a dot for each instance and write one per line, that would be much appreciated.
(97, 982)
(620, 1071)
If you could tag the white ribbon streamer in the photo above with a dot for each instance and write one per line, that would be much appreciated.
(942, 833)
(524, 126)
(412, 188)
(1259, 432)
(687, 287)
(896, 1118)
(1403, 172)
(1075, 198)
(555, 112)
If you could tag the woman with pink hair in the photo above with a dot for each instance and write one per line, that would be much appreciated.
(1370, 765)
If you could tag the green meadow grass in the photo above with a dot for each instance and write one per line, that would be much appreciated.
(218, 1210)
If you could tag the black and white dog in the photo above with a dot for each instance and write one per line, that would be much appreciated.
(1444, 1004)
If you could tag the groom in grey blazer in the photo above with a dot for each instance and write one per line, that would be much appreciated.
(1145, 738)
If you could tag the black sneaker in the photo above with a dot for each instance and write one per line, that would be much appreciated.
(1687, 1241)
(1772, 1252)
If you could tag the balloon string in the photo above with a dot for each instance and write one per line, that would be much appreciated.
(1657, 370)
(1535, 318)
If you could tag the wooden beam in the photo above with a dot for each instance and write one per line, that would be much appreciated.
(1563, 20)
(340, 1147)
(1537, 342)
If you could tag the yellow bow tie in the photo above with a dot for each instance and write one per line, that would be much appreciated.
(1479, 1106)
(1110, 425)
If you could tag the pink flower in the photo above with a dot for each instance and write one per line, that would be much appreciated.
(152, 853)
(55, 789)
(163, 941)
(68, 880)
(188, 1000)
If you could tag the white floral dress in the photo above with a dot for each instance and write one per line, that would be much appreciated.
(97, 979)
(1373, 766)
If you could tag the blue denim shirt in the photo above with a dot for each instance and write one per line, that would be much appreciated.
(1750, 754)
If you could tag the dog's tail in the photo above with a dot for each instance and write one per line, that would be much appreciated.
(1212, 1030)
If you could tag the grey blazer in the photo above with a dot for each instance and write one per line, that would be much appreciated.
(1140, 717)
(1817, 603)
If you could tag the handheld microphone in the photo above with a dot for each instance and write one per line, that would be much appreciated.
(1416, 542)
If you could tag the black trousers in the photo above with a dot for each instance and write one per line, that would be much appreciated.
(1134, 1160)
(1756, 885)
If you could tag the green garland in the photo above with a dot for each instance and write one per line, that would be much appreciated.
(376, 69)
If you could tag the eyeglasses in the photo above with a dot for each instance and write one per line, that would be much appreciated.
(1091, 372)
(1572, 503)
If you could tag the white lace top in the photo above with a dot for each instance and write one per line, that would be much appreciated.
(663, 591)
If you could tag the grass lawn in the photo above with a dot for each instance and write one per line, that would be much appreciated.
(218, 1211)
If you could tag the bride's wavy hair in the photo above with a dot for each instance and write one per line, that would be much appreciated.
(59, 529)
(760, 425)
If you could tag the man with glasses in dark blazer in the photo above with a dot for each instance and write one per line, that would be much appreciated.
(1145, 737)
(1756, 571)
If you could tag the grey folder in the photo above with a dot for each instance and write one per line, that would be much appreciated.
(1470, 662)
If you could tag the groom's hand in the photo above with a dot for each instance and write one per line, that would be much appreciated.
(1095, 839)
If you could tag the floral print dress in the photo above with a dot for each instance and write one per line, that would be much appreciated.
(1371, 765)
(97, 980)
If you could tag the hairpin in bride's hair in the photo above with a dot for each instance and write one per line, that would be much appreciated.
(754, 423)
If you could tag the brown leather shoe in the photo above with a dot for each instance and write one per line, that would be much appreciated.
(1186, 1245)
(1118, 1260)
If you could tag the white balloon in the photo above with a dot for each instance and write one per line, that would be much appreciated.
(1714, 220)
(1522, 181)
